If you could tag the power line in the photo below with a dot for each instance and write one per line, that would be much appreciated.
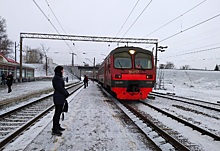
(190, 27)
(208, 49)
(65, 33)
(46, 16)
(55, 17)
(137, 18)
(52, 23)
(202, 59)
(58, 23)
(175, 18)
(127, 18)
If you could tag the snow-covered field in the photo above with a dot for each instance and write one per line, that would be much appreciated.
(204, 85)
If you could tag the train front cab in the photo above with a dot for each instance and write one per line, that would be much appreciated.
(132, 74)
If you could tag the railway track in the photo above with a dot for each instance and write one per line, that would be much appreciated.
(163, 136)
(193, 126)
(155, 134)
(196, 102)
(199, 113)
(16, 121)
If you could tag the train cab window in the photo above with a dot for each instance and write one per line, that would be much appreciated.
(122, 60)
(143, 61)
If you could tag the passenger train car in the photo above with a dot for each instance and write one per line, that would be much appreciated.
(128, 72)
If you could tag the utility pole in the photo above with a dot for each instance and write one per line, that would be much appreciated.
(94, 69)
(72, 62)
(16, 51)
(161, 49)
(46, 63)
(20, 77)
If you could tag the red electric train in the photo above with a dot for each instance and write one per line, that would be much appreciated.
(128, 72)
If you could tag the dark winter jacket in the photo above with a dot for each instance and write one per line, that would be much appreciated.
(9, 79)
(60, 93)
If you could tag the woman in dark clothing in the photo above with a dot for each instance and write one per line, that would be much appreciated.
(59, 97)
(9, 82)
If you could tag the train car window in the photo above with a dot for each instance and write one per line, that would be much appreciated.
(143, 61)
(122, 60)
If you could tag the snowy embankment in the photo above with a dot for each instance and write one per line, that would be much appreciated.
(204, 85)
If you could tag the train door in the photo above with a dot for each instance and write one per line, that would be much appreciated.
(107, 74)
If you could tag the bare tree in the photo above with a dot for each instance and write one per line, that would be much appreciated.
(5, 43)
(33, 55)
(216, 68)
(162, 66)
(185, 67)
(45, 50)
(169, 65)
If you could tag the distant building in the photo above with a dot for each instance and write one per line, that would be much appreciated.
(9, 65)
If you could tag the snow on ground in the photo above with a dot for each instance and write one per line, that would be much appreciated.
(93, 124)
(204, 85)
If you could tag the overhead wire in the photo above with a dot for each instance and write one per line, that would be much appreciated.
(62, 28)
(55, 16)
(58, 23)
(190, 27)
(46, 16)
(51, 22)
(127, 18)
(201, 59)
(198, 51)
(137, 18)
(175, 18)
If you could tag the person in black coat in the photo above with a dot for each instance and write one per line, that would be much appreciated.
(9, 82)
(85, 81)
(59, 97)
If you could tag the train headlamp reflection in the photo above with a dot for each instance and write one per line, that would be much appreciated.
(131, 52)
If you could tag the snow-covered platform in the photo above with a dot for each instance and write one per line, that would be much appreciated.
(92, 123)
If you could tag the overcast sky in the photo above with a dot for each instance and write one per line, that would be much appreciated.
(198, 45)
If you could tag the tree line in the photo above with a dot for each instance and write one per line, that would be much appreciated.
(31, 55)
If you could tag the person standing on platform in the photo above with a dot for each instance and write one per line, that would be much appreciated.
(59, 97)
(85, 81)
(9, 82)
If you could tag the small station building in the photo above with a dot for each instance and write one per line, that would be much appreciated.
(9, 65)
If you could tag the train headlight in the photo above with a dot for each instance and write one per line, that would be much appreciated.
(118, 76)
(149, 76)
(131, 52)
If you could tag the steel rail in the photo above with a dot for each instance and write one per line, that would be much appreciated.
(194, 127)
(178, 145)
(177, 99)
(30, 122)
(175, 143)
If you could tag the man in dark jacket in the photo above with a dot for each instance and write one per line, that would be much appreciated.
(9, 82)
(85, 81)
(59, 97)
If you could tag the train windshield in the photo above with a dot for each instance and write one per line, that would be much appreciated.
(122, 60)
(143, 61)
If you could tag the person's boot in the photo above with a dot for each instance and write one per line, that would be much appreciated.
(61, 129)
(56, 132)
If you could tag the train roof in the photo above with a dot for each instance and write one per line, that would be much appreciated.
(125, 48)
